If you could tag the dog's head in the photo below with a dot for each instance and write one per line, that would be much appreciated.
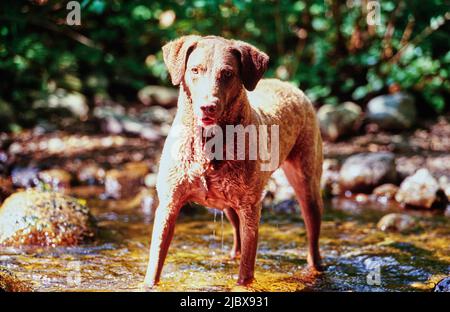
(213, 70)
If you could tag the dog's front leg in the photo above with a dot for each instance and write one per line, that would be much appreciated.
(248, 223)
(163, 229)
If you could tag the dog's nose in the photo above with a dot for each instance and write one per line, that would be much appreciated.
(209, 109)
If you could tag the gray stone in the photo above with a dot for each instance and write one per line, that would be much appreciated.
(365, 171)
(396, 222)
(420, 190)
(387, 191)
(338, 120)
(392, 112)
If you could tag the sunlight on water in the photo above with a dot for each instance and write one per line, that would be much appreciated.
(350, 245)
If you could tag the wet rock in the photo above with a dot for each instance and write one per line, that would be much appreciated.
(443, 285)
(57, 179)
(25, 177)
(396, 222)
(74, 102)
(158, 95)
(34, 217)
(363, 172)
(10, 283)
(339, 120)
(420, 190)
(387, 191)
(392, 112)
(91, 174)
(125, 182)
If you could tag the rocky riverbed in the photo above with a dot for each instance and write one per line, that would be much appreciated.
(386, 220)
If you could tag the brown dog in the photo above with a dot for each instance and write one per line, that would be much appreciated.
(219, 86)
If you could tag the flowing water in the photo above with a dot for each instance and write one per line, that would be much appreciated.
(357, 256)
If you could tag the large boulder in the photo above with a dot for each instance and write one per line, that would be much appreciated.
(34, 217)
(392, 112)
(338, 120)
(365, 171)
(421, 190)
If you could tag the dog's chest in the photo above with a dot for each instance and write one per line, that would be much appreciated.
(225, 185)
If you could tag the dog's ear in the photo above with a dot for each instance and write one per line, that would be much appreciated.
(253, 64)
(175, 55)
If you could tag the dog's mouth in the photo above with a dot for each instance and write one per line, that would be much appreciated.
(208, 121)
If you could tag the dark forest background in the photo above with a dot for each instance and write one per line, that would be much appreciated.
(326, 47)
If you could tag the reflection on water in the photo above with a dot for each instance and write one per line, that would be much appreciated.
(357, 256)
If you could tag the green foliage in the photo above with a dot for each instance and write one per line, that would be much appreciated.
(326, 47)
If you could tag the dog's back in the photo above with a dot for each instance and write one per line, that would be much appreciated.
(276, 102)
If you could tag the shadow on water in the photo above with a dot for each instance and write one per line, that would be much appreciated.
(357, 256)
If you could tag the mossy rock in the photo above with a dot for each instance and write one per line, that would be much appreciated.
(10, 283)
(40, 218)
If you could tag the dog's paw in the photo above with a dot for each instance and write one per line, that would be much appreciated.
(235, 254)
(315, 265)
(148, 286)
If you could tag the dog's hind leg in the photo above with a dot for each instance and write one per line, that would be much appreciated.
(303, 169)
(234, 220)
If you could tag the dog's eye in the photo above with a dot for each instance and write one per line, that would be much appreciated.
(227, 74)
(194, 70)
